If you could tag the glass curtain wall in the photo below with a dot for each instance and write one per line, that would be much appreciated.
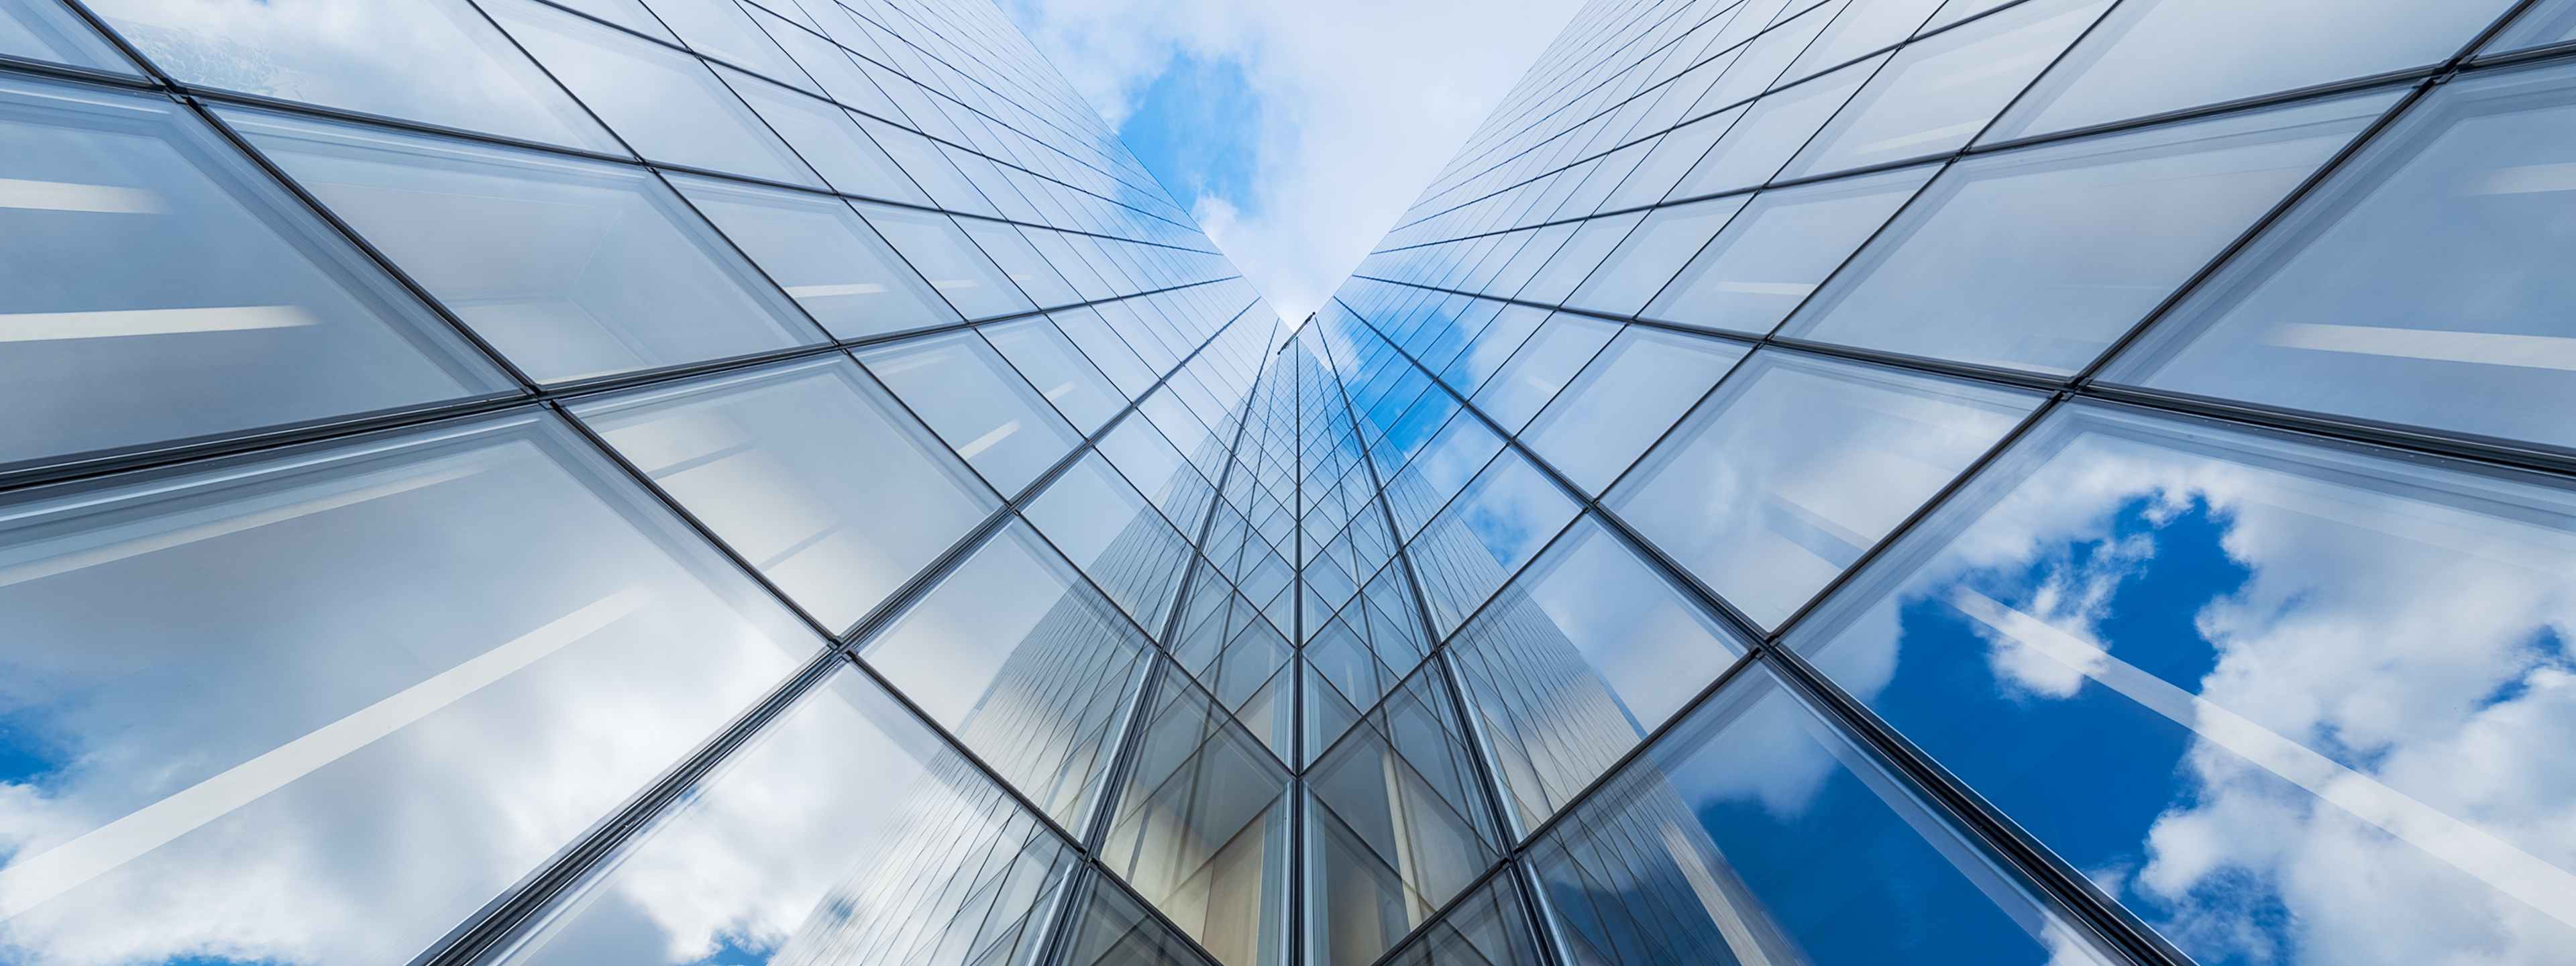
(1972, 482)
(727, 482)
(617, 481)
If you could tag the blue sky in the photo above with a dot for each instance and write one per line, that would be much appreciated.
(1296, 132)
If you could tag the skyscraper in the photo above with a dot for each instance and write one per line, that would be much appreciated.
(741, 481)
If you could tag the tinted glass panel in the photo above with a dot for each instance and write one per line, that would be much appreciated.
(154, 286)
(829, 261)
(311, 700)
(1795, 466)
(794, 468)
(2208, 667)
(1775, 253)
(572, 269)
(433, 61)
(2040, 259)
(978, 404)
(2405, 290)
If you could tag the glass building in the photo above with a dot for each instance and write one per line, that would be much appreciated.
(725, 482)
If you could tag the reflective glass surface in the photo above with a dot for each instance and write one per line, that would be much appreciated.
(1576, 662)
(1095, 518)
(1533, 375)
(1774, 254)
(976, 402)
(1201, 828)
(844, 833)
(1649, 256)
(818, 251)
(1936, 95)
(1494, 526)
(2217, 671)
(663, 103)
(1015, 655)
(2039, 259)
(1757, 833)
(572, 269)
(2135, 64)
(2404, 290)
(138, 250)
(954, 266)
(293, 708)
(43, 30)
(1795, 466)
(1395, 825)
(431, 61)
(792, 468)
(1624, 400)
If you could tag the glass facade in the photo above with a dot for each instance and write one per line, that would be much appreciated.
(732, 482)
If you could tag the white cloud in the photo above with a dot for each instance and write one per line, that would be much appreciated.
(1362, 103)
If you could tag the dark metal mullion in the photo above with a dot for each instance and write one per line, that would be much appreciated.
(2036, 864)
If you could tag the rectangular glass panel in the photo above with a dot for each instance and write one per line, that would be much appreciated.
(1395, 827)
(1772, 131)
(954, 266)
(2040, 259)
(1939, 92)
(1757, 833)
(2411, 288)
(1651, 255)
(1202, 827)
(155, 286)
(665, 104)
(1576, 662)
(432, 61)
(572, 269)
(816, 249)
(1059, 370)
(1095, 518)
(1624, 400)
(1494, 526)
(320, 707)
(43, 30)
(794, 468)
(1796, 465)
(1784, 244)
(844, 833)
(976, 402)
(1543, 365)
(2167, 55)
(2286, 703)
(1014, 655)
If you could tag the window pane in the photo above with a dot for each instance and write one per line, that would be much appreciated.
(1023, 664)
(1202, 827)
(1773, 129)
(433, 61)
(1652, 254)
(846, 828)
(571, 268)
(824, 136)
(794, 468)
(954, 266)
(666, 104)
(1795, 466)
(829, 261)
(2221, 672)
(1939, 92)
(1395, 825)
(1095, 518)
(1757, 833)
(2545, 23)
(1578, 661)
(2149, 58)
(157, 286)
(1059, 371)
(977, 403)
(2412, 287)
(43, 30)
(2040, 259)
(1020, 262)
(1779, 249)
(321, 707)
(1624, 400)
(1497, 524)
(1544, 364)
